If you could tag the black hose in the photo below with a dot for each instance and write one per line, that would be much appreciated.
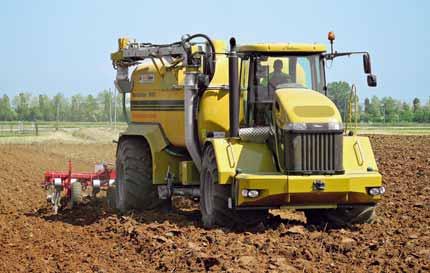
(124, 109)
(210, 73)
(211, 63)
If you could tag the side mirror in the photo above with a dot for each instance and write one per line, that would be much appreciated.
(366, 64)
(371, 80)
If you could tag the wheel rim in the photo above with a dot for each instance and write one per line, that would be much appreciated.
(208, 193)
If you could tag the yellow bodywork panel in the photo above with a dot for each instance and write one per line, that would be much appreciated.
(282, 47)
(151, 132)
(214, 112)
(304, 106)
(358, 155)
(188, 173)
(172, 121)
(277, 190)
(157, 96)
(257, 170)
(161, 161)
(233, 154)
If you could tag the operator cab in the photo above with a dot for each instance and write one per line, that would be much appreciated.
(264, 68)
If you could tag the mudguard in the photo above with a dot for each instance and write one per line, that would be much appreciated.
(233, 155)
(161, 160)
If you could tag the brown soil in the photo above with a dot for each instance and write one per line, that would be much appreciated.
(91, 238)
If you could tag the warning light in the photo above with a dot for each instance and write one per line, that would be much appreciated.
(331, 36)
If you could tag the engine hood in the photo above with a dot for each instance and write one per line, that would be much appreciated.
(299, 105)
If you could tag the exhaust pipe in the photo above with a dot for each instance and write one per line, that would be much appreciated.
(233, 81)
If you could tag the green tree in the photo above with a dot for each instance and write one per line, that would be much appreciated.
(416, 103)
(364, 117)
(420, 115)
(77, 108)
(374, 110)
(46, 108)
(90, 108)
(339, 93)
(406, 114)
(35, 112)
(21, 103)
(61, 107)
(391, 109)
(366, 105)
(6, 111)
(105, 104)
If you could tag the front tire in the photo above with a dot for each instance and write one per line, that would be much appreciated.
(342, 216)
(134, 188)
(214, 199)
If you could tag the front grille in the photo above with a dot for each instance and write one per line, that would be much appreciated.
(317, 152)
(313, 152)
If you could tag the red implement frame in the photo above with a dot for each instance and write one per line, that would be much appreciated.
(105, 175)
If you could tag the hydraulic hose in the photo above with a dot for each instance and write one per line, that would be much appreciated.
(211, 63)
(192, 100)
(124, 108)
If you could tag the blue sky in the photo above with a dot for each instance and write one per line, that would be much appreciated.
(64, 46)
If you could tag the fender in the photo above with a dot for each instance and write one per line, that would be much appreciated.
(161, 160)
(234, 155)
(150, 131)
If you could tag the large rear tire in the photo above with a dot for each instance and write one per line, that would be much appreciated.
(134, 188)
(214, 199)
(342, 216)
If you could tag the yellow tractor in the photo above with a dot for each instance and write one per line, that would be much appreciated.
(244, 129)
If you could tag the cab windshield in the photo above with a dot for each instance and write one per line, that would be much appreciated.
(261, 75)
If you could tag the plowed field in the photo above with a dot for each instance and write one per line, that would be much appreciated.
(91, 238)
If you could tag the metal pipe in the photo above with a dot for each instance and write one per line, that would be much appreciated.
(234, 102)
(191, 90)
(183, 191)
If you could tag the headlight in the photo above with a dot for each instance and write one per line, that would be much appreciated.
(245, 193)
(250, 193)
(295, 126)
(300, 126)
(253, 193)
(335, 126)
(376, 191)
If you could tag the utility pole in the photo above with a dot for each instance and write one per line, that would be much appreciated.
(58, 115)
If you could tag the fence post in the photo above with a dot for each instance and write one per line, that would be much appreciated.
(36, 127)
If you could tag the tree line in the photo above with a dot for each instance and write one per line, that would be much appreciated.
(101, 107)
(375, 109)
(28, 107)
